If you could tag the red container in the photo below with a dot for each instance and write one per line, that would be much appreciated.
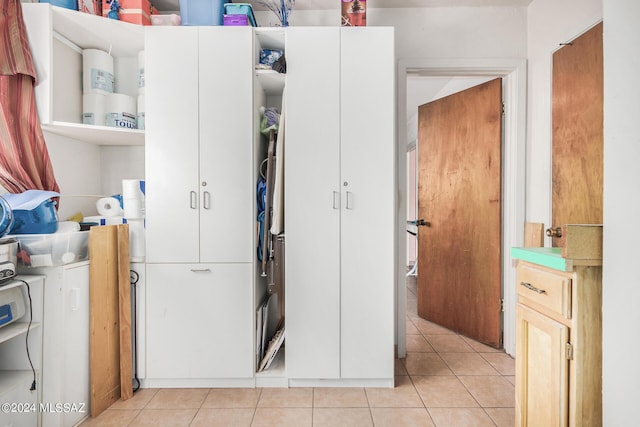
(235, 20)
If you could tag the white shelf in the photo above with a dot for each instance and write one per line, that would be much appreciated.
(15, 329)
(96, 32)
(272, 82)
(270, 37)
(9, 379)
(98, 135)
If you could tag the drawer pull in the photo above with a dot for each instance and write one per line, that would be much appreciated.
(201, 270)
(532, 288)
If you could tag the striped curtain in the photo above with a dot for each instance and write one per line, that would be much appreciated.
(24, 159)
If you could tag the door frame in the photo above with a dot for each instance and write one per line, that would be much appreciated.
(514, 75)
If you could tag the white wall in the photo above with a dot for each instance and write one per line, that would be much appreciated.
(549, 23)
(76, 166)
(621, 293)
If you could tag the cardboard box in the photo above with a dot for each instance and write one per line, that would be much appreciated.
(354, 13)
(133, 11)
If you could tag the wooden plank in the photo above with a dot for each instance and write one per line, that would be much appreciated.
(533, 235)
(582, 241)
(124, 290)
(110, 317)
(577, 131)
(104, 338)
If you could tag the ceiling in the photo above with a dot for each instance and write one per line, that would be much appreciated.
(174, 5)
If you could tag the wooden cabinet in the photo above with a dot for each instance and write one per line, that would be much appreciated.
(339, 203)
(200, 323)
(199, 124)
(16, 375)
(559, 343)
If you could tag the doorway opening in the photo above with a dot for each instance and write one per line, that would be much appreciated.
(441, 77)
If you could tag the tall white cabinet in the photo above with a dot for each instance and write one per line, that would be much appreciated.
(340, 204)
(199, 204)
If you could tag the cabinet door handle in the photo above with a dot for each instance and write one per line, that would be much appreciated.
(349, 200)
(193, 200)
(201, 270)
(207, 200)
(75, 299)
(336, 200)
(533, 288)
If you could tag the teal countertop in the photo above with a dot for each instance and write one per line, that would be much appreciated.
(548, 257)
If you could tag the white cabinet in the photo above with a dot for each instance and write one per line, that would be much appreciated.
(65, 377)
(199, 204)
(339, 186)
(200, 321)
(199, 122)
(57, 37)
(16, 374)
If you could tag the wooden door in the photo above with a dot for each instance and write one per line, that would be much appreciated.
(577, 155)
(459, 195)
(542, 383)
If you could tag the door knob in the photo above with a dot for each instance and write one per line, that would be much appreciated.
(423, 223)
(554, 232)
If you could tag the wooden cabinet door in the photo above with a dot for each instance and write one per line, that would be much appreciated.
(542, 394)
(577, 155)
(367, 156)
(199, 321)
(312, 203)
(226, 187)
(171, 144)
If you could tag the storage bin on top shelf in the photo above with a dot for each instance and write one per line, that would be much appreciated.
(201, 12)
(50, 250)
(232, 12)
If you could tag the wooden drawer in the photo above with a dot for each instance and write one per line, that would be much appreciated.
(544, 289)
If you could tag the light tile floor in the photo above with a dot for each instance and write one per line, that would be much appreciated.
(447, 380)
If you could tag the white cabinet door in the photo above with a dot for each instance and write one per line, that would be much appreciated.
(171, 152)
(367, 153)
(199, 127)
(226, 141)
(75, 378)
(312, 203)
(199, 321)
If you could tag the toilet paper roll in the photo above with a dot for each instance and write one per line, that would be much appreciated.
(109, 207)
(120, 111)
(93, 109)
(141, 72)
(97, 72)
(136, 238)
(141, 112)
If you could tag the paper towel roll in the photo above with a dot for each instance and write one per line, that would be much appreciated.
(109, 207)
(141, 72)
(132, 198)
(136, 238)
(141, 111)
(120, 111)
(93, 109)
(97, 72)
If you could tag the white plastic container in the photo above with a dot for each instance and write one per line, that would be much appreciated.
(48, 250)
